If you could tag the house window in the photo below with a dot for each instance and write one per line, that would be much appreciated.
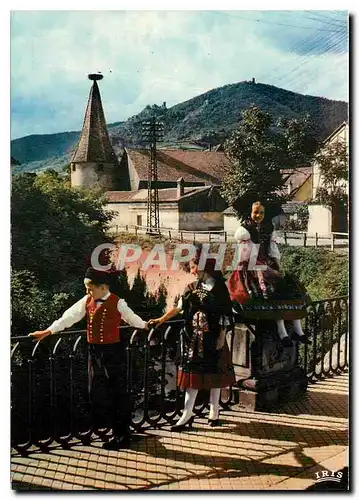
(100, 167)
(139, 220)
(73, 166)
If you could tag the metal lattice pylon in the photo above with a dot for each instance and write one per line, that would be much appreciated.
(152, 132)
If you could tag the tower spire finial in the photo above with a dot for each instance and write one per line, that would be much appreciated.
(95, 76)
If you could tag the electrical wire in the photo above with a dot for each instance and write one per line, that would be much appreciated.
(270, 22)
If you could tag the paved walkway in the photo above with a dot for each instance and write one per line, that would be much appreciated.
(249, 451)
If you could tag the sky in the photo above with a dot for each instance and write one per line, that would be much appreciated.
(148, 57)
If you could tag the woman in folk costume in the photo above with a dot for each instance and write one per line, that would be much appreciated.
(206, 363)
(266, 293)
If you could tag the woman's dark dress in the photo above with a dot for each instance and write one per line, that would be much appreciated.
(202, 365)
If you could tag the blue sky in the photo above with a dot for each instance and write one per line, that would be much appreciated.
(151, 57)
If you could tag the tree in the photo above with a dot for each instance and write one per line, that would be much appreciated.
(161, 298)
(333, 163)
(332, 160)
(121, 286)
(54, 228)
(54, 231)
(138, 293)
(32, 307)
(258, 151)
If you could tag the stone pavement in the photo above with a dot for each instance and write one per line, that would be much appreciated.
(249, 451)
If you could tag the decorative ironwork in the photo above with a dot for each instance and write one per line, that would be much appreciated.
(49, 378)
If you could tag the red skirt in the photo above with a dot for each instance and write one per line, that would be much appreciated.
(224, 378)
(289, 300)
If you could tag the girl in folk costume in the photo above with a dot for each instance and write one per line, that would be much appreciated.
(260, 288)
(205, 363)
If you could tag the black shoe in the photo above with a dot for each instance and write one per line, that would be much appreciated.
(117, 443)
(182, 427)
(303, 339)
(286, 342)
(213, 423)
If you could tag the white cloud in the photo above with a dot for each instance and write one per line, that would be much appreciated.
(146, 57)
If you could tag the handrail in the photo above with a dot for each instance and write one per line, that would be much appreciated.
(49, 378)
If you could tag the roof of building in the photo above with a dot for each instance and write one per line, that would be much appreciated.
(193, 166)
(335, 131)
(94, 144)
(296, 177)
(164, 195)
(229, 211)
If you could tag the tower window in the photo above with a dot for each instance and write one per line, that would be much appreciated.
(100, 167)
(73, 167)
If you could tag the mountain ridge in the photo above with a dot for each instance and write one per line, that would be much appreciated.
(207, 118)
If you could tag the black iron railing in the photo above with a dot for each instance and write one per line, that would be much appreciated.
(49, 378)
(327, 324)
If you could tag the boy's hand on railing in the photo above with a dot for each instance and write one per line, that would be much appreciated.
(153, 323)
(40, 335)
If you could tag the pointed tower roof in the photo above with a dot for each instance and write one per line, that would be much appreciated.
(94, 144)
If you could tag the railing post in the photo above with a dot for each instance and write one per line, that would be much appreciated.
(225, 236)
(209, 236)
(316, 240)
(169, 235)
(285, 238)
(126, 227)
(194, 237)
(136, 230)
(181, 236)
(304, 239)
(333, 242)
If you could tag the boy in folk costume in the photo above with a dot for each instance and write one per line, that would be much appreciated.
(106, 352)
(266, 293)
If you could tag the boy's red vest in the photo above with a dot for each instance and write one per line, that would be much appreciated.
(103, 321)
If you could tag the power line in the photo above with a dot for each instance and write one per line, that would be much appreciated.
(307, 46)
(325, 19)
(326, 16)
(310, 73)
(329, 47)
(270, 22)
(325, 71)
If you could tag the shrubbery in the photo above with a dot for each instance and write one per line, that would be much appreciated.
(54, 231)
(324, 273)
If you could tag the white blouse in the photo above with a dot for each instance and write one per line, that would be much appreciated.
(78, 311)
(243, 237)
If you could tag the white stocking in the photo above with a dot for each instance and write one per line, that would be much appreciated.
(189, 401)
(282, 332)
(214, 404)
(298, 327)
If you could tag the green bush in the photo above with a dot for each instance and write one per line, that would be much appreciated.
(324, 273)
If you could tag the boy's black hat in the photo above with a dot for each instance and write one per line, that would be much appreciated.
(99, 277)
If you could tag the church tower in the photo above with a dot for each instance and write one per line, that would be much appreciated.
(94, 163)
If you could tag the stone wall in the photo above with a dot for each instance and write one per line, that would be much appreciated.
(133, 176)
(129, 213)
(92, 175)
(201, 221)
(230, 224)
(320, 220)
